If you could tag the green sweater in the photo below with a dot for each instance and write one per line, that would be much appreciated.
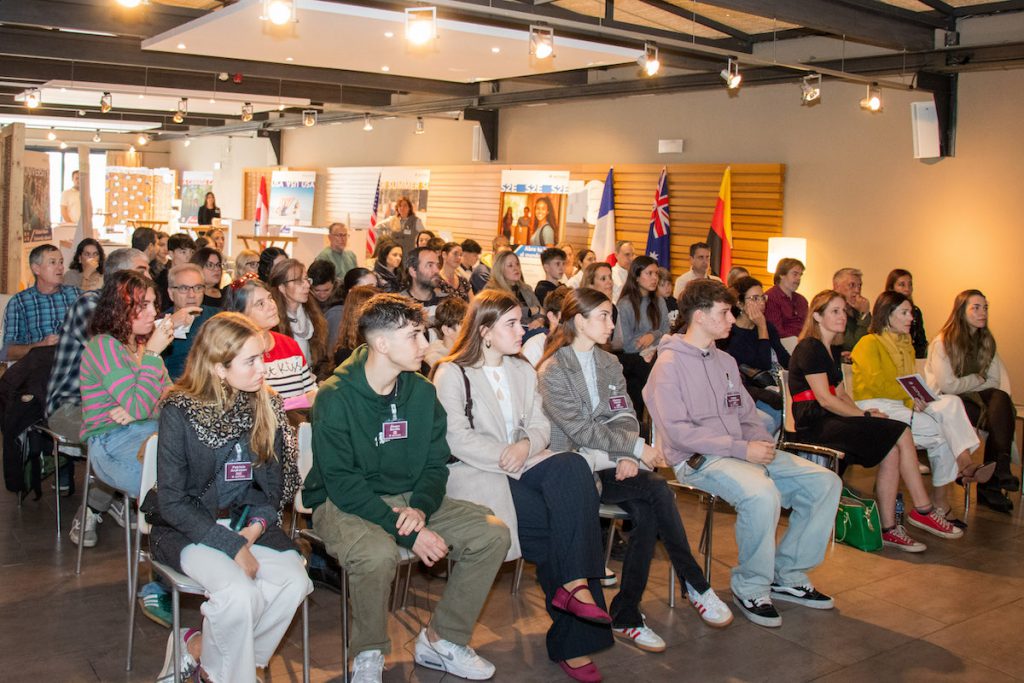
(353, 469)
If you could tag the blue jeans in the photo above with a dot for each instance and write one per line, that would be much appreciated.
(115, 455)
(758, 492)
(774, 415)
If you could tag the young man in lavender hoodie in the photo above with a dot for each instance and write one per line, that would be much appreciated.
(709, 431)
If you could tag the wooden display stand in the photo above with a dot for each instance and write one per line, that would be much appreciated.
(264, 241)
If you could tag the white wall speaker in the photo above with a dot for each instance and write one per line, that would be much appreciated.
(925, 121)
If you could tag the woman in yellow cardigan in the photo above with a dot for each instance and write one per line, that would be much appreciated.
(941, 427)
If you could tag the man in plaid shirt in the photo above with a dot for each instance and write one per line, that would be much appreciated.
(34, 315)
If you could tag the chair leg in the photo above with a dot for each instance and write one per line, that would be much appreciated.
(176, 620)
(408, 580)
(611, 540)
(131, 605)
(967, 498)
(517, 575)
(671, 586)
(395, 587)
(344, 623)
(305, 640)
(56, 481)
(82, 512)
(127, 516)
(706, 536)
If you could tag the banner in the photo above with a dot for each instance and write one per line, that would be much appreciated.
(291, 198)
(36, 199)
(194, 186)
(533, 205)
(409, 183)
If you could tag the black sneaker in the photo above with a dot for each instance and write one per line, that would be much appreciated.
(805, 595)
(759, 610)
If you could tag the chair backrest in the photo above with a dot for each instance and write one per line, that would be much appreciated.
(148, 479)
(847, 377)
(305, 464)
(788, 424)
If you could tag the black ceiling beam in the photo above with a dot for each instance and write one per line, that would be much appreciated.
(96, 15)
(839, 19)
(931, 19)
(989, 8)
(699, 19)
(114, 116)
(125, 51)
(939, 6)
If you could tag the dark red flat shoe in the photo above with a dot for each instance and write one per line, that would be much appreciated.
(567, 602)
(588, 673)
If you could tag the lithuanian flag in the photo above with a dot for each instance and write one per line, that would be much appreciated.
(720, 234)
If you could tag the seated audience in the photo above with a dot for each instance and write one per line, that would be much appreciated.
(735, 273)
(784, 307)
(211, 262)
(570, 259)
(708, 430)
(388, 266)
(435, 244)
(755, 345)
(447, 322)
(185, 284)
(507, 276)
(86, 269)
(323, 284)
(665, 292)
(620, 271)
(941, 426)
(357, 277)
(34, 315)
(147, 241)
(159, 262)
(287, 371)
(202, 241)
(584, 398)
(583, 259)
(643, 320)
(336, 253)
(300, 318)
(552, 260)
(473, 268)
(269, 258)
(825, 414)
(373, 489)
(900, 280)
(181, 247)
(848, 282)
(962, 360)
(423, 238)
(533, 347)
(217, 239)
(221, 417)
(450, 281)
(421, 276)
(700, 267)
(247, 263)
(499, 436)
(348, 331)
(499, 244)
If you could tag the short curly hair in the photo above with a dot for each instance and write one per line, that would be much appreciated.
(122, 299)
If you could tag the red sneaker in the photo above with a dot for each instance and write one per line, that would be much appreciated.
(897, 538)
(934, 523)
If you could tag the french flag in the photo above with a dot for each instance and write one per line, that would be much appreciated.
(602, 243)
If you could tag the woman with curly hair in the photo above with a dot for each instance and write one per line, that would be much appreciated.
(86, 269)
(226, 445)
(300, 316)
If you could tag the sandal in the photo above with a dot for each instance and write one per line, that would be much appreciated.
(975, 473)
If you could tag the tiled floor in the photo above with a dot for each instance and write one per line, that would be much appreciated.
(954, 613)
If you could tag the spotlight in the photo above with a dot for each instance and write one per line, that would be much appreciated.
(810, 89)
(130, 4)
(52, 135)
(367, 126)
(542, 41)
(309, 117)
(142, 140)
(731, 74)
(278, 12)
(649, 59)
(96, 137)
(63, 145)
(419, 125)
(106, 103)
(181, 111)
(247, 112)
(420, 25)
(873, 100)
(33, 98)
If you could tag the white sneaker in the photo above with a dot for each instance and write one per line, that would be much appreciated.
(710, 607)
(458, 660)
(367, 667)
(641, 636)
(116, 510)
(187, 665)
(89, 538)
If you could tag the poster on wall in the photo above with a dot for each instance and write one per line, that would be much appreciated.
(36, 200)
(533, 205)
(194, 186)
(403, 183)
(291, 198)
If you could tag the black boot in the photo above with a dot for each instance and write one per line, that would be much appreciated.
(993, 498)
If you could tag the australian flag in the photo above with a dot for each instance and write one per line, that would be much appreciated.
(657, 234)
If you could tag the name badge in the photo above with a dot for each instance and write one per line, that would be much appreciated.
(397, 429)
(238, 471)
(617, 403)
(732, 400)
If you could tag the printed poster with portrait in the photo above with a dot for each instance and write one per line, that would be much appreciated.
(533, 205)
(291, 198)
(410, 183)
(194, 186)
(36, 200)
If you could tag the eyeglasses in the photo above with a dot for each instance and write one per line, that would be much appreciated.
(756, 298)
(250, 264)
(195, 289)
(307, 280)
(213, 266)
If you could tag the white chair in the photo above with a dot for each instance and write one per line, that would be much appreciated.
(813, 452)
(72, 449)
(179, 582)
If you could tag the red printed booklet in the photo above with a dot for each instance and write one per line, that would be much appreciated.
(915, 386)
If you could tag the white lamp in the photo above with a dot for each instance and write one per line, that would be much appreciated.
(786, 247)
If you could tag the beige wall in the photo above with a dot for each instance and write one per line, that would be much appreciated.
(852, 187)
(234, 154)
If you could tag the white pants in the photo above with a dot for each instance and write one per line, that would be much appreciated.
(942, 429)
(244, 620)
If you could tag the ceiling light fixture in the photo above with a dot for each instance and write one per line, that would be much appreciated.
(33, 98)
(182, 111)
(247, 112)
(420, 25)
(63, 145)
(130, 4)
(731, 74)
(367, 126)
(309, 117)
(542, 42)
(142, 140)
(96, 137)
(52, 135)
(649, 59)
(873, 100)
(106, 103)
(419, 125)
(279, 12)
(810, 89)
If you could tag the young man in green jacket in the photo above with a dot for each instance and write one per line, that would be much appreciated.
(378, 482)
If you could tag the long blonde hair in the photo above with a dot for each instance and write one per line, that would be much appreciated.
(484, 311)
(959, 341)
(220, 340)
(498, 280)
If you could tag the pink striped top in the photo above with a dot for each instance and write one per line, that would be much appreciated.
(110, 376)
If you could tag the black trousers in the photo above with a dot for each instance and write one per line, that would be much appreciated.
(636, 371)
(999, 418)
(652, 509)
(559, 531)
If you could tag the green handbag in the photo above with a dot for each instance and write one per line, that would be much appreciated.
(857, 522)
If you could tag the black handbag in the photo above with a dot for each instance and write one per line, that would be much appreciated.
(762, 379)
(151, 503)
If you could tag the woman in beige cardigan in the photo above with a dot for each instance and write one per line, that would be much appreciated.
(499, 436)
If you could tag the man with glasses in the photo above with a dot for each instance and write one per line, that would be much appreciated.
(343, 259)
(186, 289)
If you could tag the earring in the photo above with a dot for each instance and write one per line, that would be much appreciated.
(487, 343)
